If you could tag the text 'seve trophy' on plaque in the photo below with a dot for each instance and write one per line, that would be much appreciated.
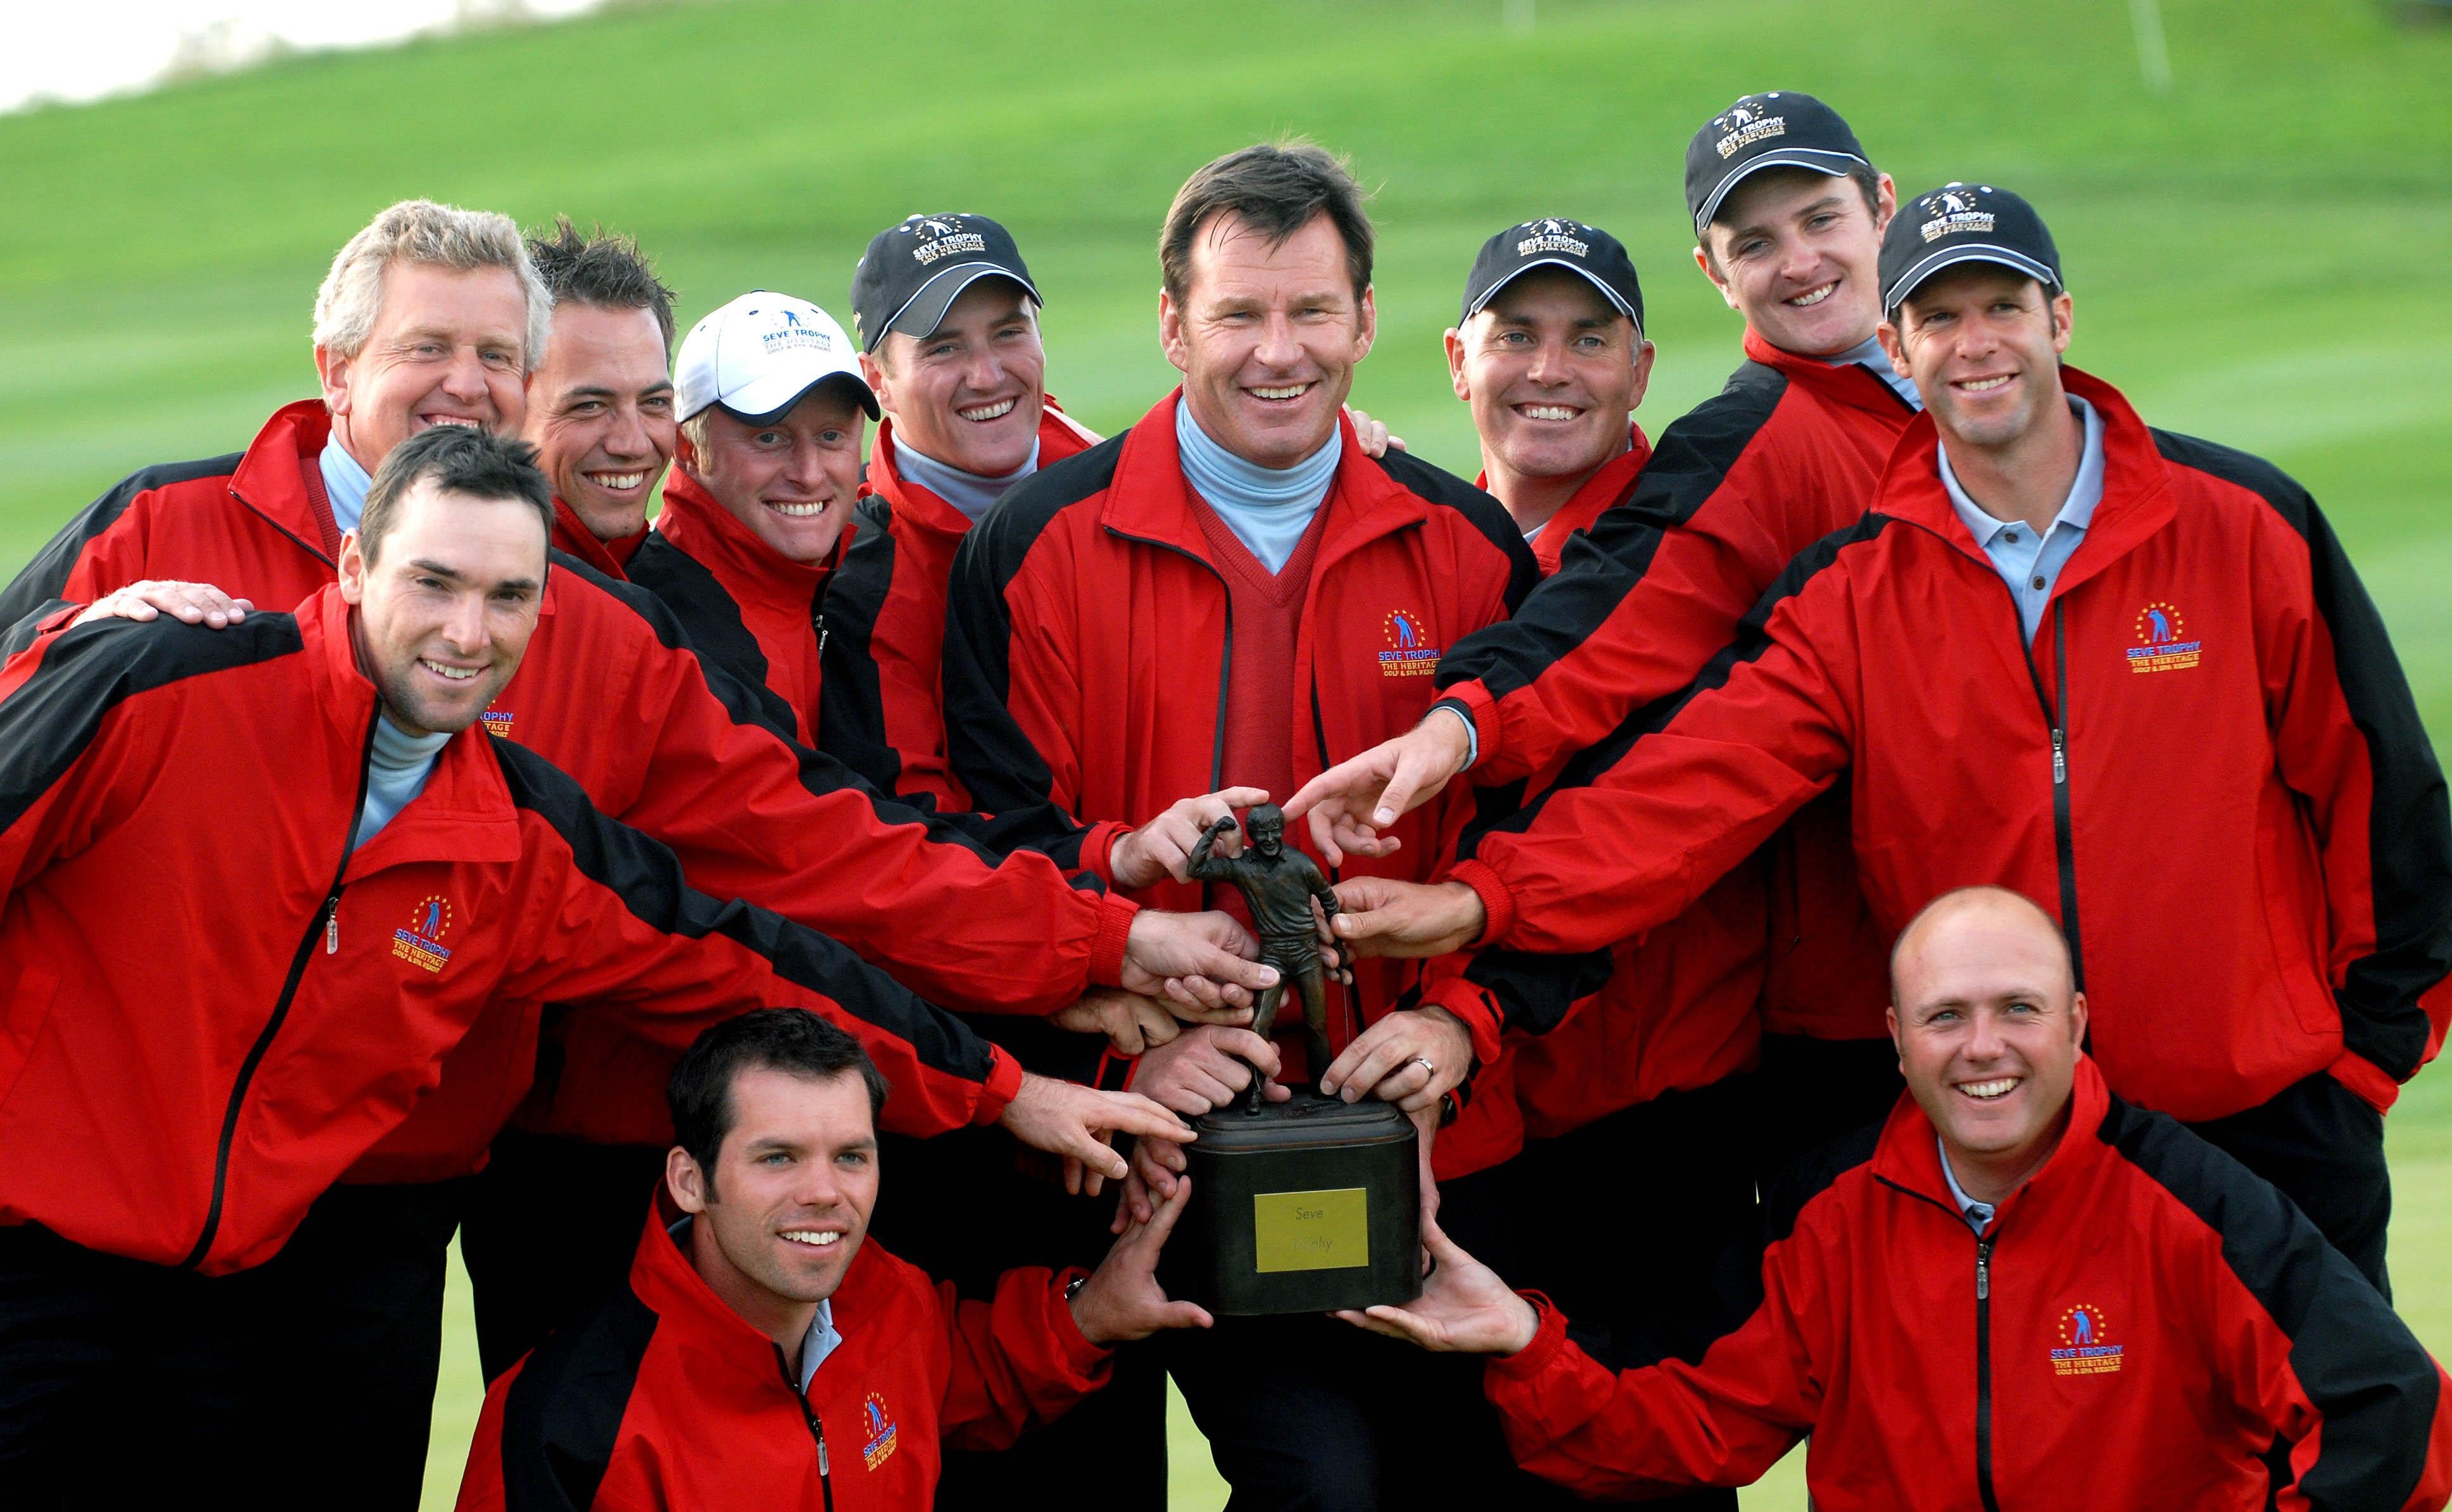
(1313, 1204)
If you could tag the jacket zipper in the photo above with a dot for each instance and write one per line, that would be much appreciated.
(817, 617)
(325, 924)
(816, 1429)
(2055, 707)
(1984, 1374)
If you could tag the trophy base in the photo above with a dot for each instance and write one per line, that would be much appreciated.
(1306, 1205)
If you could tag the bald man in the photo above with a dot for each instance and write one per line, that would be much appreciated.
(2018, 1283)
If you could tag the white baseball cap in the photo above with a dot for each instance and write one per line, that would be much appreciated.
(758, 355)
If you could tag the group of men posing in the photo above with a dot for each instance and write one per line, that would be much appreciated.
(372, 873)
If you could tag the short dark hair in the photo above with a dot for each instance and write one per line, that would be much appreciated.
(603, 270)
(461, 460)
(785, 1039)
(1275, 189)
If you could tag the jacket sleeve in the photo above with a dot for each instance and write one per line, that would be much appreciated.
(2349, 743)
(612, 923)
(1640, 826)
(879, 705)
(1017, 1361)
(754, 815)
(481, 1483)
(103, 549)
(1639, 603)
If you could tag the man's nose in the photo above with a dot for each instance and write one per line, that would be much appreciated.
(628, 437)
(1548, 363)
(464, 377)
(464, 628)
(1279, 346)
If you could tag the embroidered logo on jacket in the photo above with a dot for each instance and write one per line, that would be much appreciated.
(2163, 643)
(1410, 653)
(420, 943)
(880, 1448)
(2085, 1347)
(497, 724)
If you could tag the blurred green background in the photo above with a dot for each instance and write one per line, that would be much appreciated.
(2258, 254)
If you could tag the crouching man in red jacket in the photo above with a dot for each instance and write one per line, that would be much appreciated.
(762, 1354)
(2020, 1288)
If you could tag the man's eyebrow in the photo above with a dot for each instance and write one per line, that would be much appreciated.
(436, 569)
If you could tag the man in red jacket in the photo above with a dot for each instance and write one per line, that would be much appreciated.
(1209, 604)
(2020, 1292)
(1787, 215)
(2094, 661)
(427, 317)
(1615, 1055)
(361, 880)
(765, 1353)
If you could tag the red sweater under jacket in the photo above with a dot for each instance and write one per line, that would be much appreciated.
(666, 1401)
(2141, 1323)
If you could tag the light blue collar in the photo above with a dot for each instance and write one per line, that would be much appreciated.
(822, 1341)
(970, 493)
(345, 485)
(2076, 511)
(1978, 1214)
(1268, 508)
(1868, 354)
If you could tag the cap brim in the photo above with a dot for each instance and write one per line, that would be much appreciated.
(1933, 262)
(1577, 268)
(1833, 163)
(924, 311)
(775, 396)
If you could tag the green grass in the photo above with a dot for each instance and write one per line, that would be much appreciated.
(2257, 256)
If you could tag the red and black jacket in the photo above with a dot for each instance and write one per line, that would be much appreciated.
(613, 693)
(1788, 452)
(2144, 1324)
(1087, 646)
(611, 558)
(2209, 764)
(883, 699)
(213, 1006)
(665, 1399)
(1591, 1033)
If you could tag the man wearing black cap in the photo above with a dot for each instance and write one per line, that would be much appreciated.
(2129, 674)
(1787, 217)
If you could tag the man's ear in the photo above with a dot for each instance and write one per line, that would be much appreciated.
(1644, 352)
(1454, 343)
(686, 1181)
(1170, 332)
(2077, 1020)
(333, 370)
(1704, 260)
(874, 371)
(353, 569)
(2063, 319)
(1886, 204)
(1368, 330)
(1898, 1041)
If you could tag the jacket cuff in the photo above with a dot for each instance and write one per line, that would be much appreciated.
(1480, 710)
(1087, 1361)
(1547, 1340)
(1003, 1085)
(2372, 1083)
(1498, 903)
(1098, 849)
(1114, 1072)
(1107, 946)
(1473, 1007)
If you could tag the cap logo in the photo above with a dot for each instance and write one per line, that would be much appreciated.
(945, 239)
(1952, 211)
(1552, 236)
(1746, 124)
(789, 333)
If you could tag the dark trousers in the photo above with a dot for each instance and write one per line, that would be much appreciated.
(2323, 1146)
(1810, 1091)
(960, 1207)
(550, 1229)
(309, 1380)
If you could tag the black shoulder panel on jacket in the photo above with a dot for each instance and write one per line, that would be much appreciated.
(1686, 468)
(563, 1415)
(711, 618)
(1534, 992)
(86, 672)
(40, 582)
(2356, 1362)
(2409, 817)
(1588, 765)
(646, 879)
(1001, 538)
(1486, 515)
(851, 702)
(1786, 1197)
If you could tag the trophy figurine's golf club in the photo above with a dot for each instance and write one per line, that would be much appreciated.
(1313, 1204)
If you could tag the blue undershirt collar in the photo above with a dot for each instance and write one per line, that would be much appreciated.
(345, 485)
(1268, 508)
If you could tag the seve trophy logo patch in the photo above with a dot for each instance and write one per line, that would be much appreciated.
(1552, 235)
(420, 943)
(1747, 121)
(1954, 209)
(2087, 1347)
(791, 331)
(1410, 653)
(880, 1423)
(942, 238)
(498, 722)
(2163, 643)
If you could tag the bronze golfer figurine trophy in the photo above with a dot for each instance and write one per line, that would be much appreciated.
(1313, 1204)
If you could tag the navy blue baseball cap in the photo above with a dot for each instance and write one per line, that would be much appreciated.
(912, 273)
(1587, 251)
(1964, 223)
(1780, 130)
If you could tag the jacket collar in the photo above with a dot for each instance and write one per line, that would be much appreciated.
(1149, 501)
(1909, 1156)
(1849, 383)
(664, 1279)
(463, 812)
(2137, 499)
(1601, 492)
(697, 524)
(271, 477)
(571, 535)
(1058, 437)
